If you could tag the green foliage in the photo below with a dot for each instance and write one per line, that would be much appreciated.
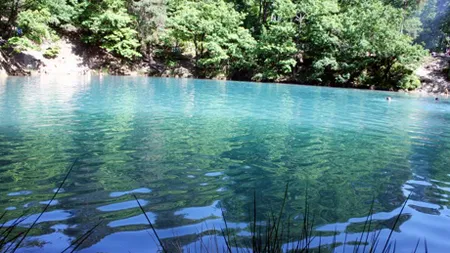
(328, 42)
(362, 41)
(63, 11)
(213, 29)
(413, 27)
(276, 47)
(110, 25)
(435, 19)
(51, 52)
(171, 64)
(21, 44)
(151, 16)
(276, 53)
(409, 82)
(35, 24)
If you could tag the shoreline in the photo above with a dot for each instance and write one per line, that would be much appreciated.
(72, 61)
(95, 73)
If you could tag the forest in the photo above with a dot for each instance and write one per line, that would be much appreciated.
(346, 43)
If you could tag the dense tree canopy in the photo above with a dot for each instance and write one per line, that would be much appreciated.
(330, 42)
(214, 30)
(435, 19)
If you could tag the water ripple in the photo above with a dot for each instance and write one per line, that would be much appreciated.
(192, 145)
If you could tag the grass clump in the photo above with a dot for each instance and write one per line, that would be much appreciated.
(278, 235)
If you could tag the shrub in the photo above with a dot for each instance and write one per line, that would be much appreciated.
(258, 77)
(51, 52)
(171, 64)
(409, 82)
(21, 44)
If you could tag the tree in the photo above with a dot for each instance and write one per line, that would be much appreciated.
(214, 29)
(35, 24)
(151, 17)
(431, 34)
(109, 25)
(276, 47)
(443, 22)
(362, 43)
(329, 42)
(56, 12)
(62, 11)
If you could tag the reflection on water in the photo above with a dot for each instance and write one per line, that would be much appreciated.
(122, 205)
(56, 215)
(135, 220)
(140, 190)
(199, 213)
(189, 149)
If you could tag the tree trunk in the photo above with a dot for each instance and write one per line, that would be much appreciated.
(196, 51)
(12, 16)
(390, 63)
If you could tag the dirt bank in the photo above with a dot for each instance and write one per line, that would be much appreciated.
(76, 58)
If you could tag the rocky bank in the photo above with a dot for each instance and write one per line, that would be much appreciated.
(434, 75)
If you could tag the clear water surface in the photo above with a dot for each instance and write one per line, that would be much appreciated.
(186, 148)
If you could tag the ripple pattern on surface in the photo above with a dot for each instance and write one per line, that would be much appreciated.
(184, 146)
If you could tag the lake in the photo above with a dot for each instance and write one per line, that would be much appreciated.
(189, 148)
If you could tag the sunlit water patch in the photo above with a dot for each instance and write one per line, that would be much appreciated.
(195, 152)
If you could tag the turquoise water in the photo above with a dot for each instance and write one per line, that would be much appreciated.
(186, 148)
